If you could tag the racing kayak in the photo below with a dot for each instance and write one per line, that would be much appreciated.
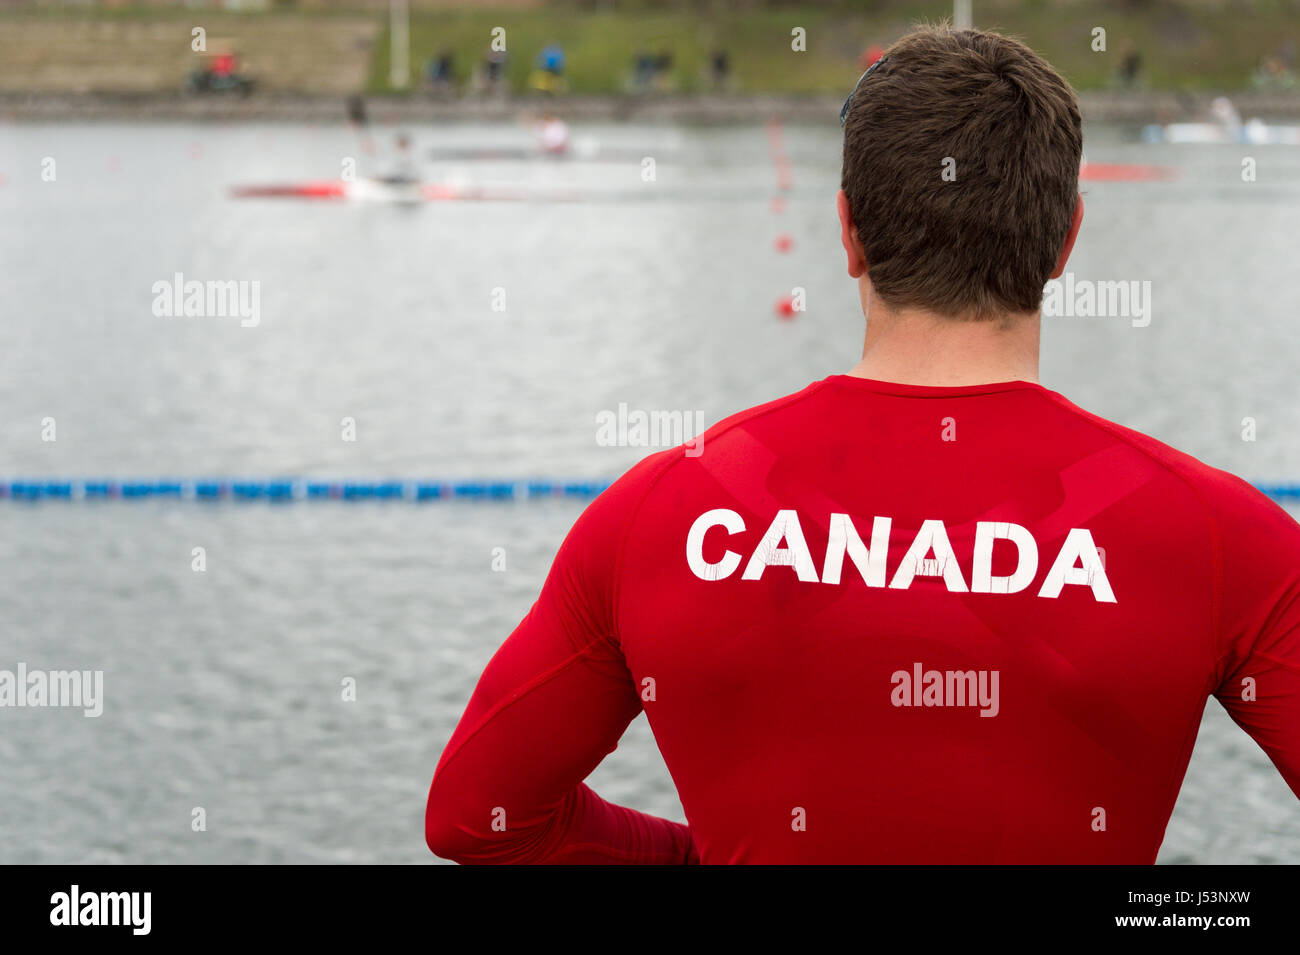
(1251, 133)
(412, 192)
(581, 150)
(1123, 172)
(380, 190)
(1227, 128)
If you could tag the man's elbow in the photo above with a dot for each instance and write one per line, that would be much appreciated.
(445, 833)
(455, 832)
(470, 830)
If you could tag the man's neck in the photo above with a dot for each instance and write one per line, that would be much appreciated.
(921, 348)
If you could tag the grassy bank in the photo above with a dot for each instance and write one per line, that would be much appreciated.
(1184, 46)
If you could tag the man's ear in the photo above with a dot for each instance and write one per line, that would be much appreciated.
(849, 236)
(1073, 234)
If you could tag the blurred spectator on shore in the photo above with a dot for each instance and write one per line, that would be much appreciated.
(490, 77)
(643, 71)
(1273, 75)
(663, 77)
(220, 74)
(720, 69)
(1128, 76)
(440, 76)
(548, 77)
(551, 59)
(653, 71)
(223, 64)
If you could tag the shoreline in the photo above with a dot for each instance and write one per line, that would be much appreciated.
(715, 109)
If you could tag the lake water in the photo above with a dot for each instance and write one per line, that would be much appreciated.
(223, 688)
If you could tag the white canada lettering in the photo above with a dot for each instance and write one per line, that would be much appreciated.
(930, 554)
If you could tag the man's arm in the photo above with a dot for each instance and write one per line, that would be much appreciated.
(550, 706)
(1260, 625)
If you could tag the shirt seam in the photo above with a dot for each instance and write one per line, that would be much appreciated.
(743, 417)
(992, 388)
(1277, 661)
(622, 855)
(510, 699)
(1218, 652)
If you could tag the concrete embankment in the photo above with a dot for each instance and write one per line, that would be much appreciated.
(1141, 107)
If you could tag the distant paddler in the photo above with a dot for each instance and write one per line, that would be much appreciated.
(402, 171)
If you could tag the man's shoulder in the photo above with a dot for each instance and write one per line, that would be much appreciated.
(766, 409)
(624, 498)
(649, 469)
(768, 428)
(1223, 494)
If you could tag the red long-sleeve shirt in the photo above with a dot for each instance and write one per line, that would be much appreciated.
(872, 622)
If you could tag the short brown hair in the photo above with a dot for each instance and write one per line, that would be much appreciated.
(988, 241)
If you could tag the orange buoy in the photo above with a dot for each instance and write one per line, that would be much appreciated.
(784, 243)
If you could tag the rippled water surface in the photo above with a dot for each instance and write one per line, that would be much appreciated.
(223, 688)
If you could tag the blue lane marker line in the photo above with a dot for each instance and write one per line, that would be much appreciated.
(289, 489)
(302, 489)
(1281, 492)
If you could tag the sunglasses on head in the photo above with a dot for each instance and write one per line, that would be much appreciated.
(848, 103)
